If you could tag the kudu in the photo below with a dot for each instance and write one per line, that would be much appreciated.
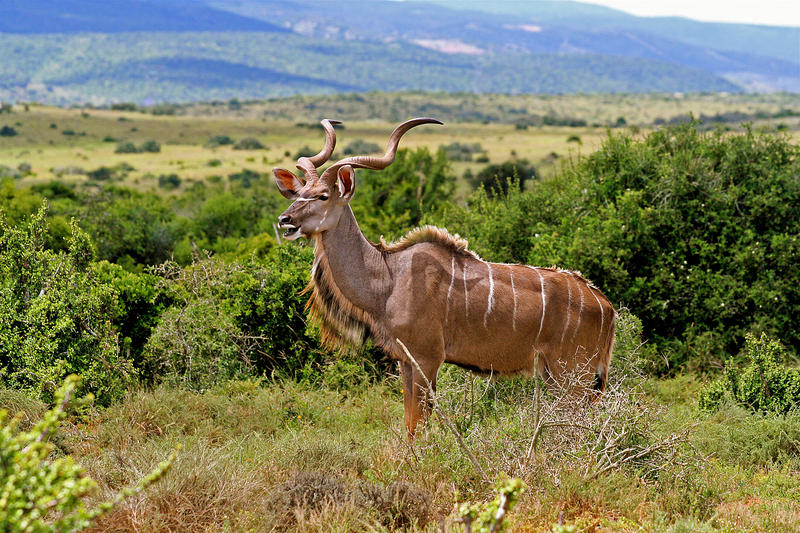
(438, 298)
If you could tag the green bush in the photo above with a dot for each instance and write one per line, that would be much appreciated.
(150, 146)
(126, 147)
(485, 518)
(225, 215)
(219, 140)
(764, 385)
(496, 178)
(100, 174)
(55, 315)
(248, 143)
(7, 131)
(130, 228)
(139, 304)
(169, 181)
(245, 177)
(234, 320)
(115, 173)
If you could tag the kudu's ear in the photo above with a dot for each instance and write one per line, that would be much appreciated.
(288, 184)
(346, 182)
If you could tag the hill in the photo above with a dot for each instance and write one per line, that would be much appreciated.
(191, 66)
(77, 16)
(768, 41)
(742, 53)
(79, 51)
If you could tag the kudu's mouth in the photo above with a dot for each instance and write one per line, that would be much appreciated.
(292, 232)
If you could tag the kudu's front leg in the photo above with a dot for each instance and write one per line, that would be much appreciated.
(417, 399)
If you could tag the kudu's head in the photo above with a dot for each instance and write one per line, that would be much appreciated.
(318, 201)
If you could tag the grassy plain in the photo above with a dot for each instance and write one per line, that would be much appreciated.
(184, 142)
(66, 143)
(637, 109)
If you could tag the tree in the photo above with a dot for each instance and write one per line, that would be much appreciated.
(495, 178)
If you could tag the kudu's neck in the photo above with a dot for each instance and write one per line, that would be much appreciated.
(357, 267)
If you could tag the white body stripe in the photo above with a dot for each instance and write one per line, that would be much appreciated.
(466, 292)
(544, 303)
(514, 295)
(602, 316)
(580, 311)
(490, 301)
(450, 288)
(569, 306)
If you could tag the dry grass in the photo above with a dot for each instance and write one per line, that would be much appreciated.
(290, 457)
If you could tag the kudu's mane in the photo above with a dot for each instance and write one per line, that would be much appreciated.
(340, 322)
(454, 243)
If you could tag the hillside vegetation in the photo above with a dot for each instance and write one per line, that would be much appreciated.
(181, 67)
(145, 51)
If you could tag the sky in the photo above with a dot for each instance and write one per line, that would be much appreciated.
(774, 12)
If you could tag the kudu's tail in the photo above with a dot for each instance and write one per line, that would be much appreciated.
(601, 372)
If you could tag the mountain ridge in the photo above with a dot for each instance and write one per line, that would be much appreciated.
(210, 49)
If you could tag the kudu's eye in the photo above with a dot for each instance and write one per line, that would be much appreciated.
(322, 197)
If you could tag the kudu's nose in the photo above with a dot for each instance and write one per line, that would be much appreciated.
(284, 220)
